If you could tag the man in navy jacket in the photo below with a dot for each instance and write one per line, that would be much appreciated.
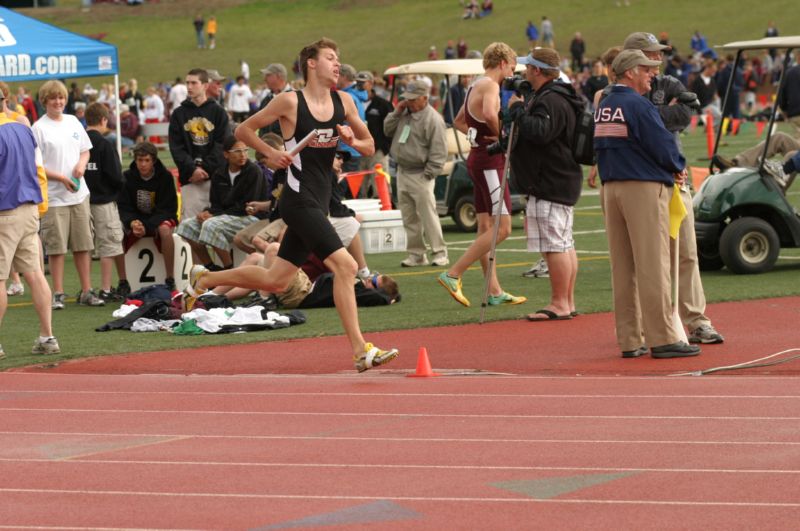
(638, 160)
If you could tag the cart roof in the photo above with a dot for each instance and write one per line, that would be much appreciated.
(460, 67)
(768, 42)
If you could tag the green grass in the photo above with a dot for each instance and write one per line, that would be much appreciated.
(156, 41)
(424, 302)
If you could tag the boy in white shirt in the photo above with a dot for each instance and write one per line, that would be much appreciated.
(65, 148)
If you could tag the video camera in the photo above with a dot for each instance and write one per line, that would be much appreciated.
(517, 83)
(690, 100)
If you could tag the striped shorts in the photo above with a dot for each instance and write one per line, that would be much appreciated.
(217, 231)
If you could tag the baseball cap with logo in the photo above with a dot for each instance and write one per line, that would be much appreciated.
(628, 59)
(646, 42)
(414, 90)
(213, 75)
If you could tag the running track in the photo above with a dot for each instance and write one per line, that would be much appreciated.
(381, 451)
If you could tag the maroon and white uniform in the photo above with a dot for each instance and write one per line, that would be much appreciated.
(485, 170)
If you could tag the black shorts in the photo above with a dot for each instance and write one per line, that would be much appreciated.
(309, 231)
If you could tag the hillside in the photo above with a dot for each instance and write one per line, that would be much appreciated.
(156, 40)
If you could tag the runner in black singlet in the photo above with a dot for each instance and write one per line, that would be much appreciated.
(305, 198)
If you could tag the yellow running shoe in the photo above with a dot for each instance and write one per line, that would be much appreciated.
(453, 286)
(373, 356)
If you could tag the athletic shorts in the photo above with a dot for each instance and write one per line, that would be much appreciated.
(67, 228)
(19, 240)
(549, 226)
(309, 231)
(107, 229)
(347, 228)
(130, 239)
(486, 172)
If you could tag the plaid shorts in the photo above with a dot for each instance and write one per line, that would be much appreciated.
(549, 226)
(217, 231)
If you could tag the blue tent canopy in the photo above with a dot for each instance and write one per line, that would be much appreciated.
(30, 49)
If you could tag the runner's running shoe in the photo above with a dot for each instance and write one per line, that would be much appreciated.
(453, 287)
(505, 298)
(539, 270)
(373, 356)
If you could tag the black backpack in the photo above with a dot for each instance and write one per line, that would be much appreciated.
(583, 138)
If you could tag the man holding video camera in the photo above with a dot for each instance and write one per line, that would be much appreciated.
(543, 167)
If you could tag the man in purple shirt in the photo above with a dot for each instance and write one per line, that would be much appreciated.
(20, 193)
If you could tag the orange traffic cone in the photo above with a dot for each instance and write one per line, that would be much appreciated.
(423, 365)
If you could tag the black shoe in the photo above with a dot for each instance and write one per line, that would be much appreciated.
(641, 351)
(675, 350)
(722, 163)
(123, 289)
(110, 296)
(170, 282)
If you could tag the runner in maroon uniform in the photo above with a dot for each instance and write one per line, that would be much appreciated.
(306, 196)
(479, 120)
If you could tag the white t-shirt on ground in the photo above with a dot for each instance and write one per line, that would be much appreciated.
(62, 143)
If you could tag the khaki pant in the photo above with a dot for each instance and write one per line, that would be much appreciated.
(691, 297)
(779, 144)
(637, 227)
(418, 209)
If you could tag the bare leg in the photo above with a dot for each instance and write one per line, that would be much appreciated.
(106, 270)
(83, 263)
(57, 272)
(119, 261)
(199, 252)
(560, 266)
(167, 249)
(356, 250)
(480, 248)
(274, 280)
(344, 270)
(41, 295)
(224, 257)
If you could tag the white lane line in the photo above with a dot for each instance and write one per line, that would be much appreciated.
(440, 499)
(378, 414)
(391, 395)
(413, 466)
(447, 440)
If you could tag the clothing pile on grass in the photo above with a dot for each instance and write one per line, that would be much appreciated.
(156, 309)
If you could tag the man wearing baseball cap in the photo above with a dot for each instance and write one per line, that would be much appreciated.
(638, 161)
(670, 98)
(419, 146)
(275, 78)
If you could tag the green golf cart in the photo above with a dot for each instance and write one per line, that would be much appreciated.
(742, 216)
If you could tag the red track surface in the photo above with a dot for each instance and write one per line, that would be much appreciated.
(381, 451)
(584, 345)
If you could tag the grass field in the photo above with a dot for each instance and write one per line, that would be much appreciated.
(156, 41)
(424, 302)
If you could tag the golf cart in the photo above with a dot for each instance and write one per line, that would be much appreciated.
(453, 188)
(742, 216)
